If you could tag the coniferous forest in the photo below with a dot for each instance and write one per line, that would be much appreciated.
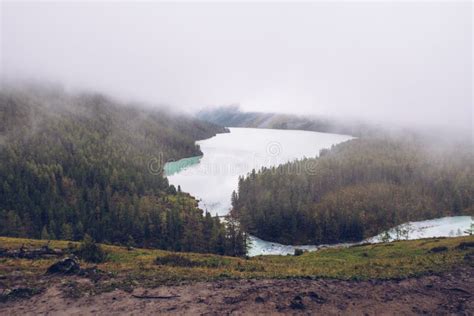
(356, 190)
(72, 165)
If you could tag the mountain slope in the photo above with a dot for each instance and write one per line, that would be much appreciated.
(355, 190)
(77, 164)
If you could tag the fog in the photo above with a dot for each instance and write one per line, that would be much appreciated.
(405, 63)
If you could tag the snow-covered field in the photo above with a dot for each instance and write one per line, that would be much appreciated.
(440, 227)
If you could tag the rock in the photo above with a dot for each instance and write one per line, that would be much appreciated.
(231, 300)
(18, 293)
(469, 257)
(93, 273)
(298, 252)
(465, 245)
(439, 249)
(316, 298)
(259, 300)
(68, 265)
(36, 253)
(297, 303)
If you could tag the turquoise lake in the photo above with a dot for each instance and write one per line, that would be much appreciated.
(212, 177)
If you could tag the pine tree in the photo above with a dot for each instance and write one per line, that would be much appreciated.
(66, 232)
(44, 233)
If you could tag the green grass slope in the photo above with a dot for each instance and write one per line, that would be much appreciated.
(138, 267)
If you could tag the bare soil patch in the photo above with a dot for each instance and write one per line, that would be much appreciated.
(446, 293)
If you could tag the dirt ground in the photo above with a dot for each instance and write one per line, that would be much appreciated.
(448, 293)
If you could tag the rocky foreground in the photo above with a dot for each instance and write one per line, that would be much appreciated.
(446, 293)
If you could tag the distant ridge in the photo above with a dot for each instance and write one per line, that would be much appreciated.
(232, 116)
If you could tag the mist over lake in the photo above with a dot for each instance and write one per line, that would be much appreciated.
(212, 178)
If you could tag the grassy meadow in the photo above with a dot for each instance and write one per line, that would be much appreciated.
(126, 268)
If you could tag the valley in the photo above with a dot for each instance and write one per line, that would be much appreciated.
(421, 276)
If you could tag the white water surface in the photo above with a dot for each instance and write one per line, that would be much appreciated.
(440, 227)
(228, 156)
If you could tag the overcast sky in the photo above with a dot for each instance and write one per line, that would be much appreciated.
(409, 62)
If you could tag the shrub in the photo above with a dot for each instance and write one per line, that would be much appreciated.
(90, 251)
(298, 252)
(176, 260)
(71, 248)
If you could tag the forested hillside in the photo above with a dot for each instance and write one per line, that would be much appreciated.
(355, 190)
(72, 165)
(232, 116)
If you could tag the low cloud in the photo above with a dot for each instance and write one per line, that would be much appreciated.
(403, 63)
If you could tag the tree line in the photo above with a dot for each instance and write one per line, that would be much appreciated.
(232, 116)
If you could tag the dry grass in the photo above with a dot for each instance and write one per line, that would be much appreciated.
(139, 266)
